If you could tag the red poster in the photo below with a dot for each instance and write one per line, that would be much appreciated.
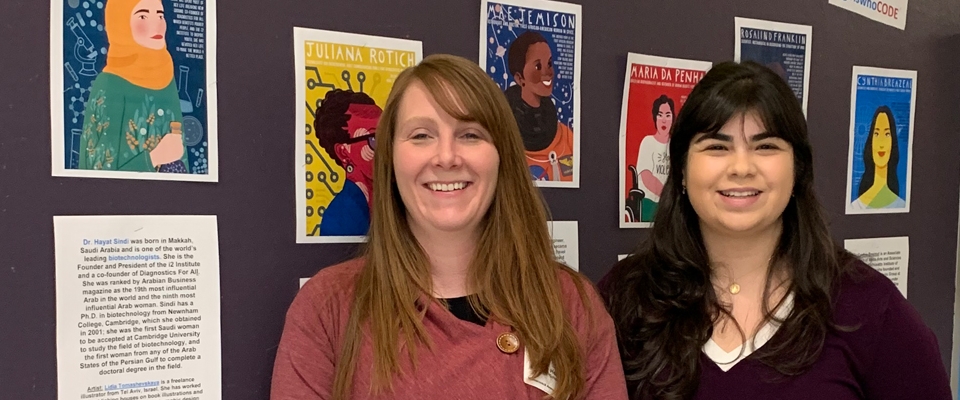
(655, 88)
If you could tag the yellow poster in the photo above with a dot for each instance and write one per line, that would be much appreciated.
(342, 83)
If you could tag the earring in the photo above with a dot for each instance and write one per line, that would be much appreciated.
(684, 189)
(349, 168)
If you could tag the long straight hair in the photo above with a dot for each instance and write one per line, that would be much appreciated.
(662, 299)
(514, 275)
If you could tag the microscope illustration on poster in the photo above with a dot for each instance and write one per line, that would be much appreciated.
(133, 89)
(531, 49)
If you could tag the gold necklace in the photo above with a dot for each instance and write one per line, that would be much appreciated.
(734, 287)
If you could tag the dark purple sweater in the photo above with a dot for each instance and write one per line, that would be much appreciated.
(893, 354)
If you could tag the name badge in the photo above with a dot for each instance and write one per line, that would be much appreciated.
(546, 382)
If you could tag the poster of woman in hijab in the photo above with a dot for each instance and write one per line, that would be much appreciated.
(132, 89)
(881, 140)
(531, 48)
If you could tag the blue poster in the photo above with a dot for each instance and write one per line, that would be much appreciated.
(531, 49)
(132, 85)
(784, 48)
(881, 138)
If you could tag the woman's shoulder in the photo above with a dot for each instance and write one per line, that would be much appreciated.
(332, 286)
(581, 300)
(894, 350)
(109, 83)
(651, 140)
(564, 129)
(863, 293)
(108, 77)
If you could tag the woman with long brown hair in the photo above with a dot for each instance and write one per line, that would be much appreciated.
(739, 292)
(458, 294)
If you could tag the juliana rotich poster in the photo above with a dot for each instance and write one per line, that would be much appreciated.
(531, 49)
(342, 83)
(879, 163)
(654, 90)
(784, 48)
(133, 89)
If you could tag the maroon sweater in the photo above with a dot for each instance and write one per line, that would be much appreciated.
(465, 362)
(893, 354)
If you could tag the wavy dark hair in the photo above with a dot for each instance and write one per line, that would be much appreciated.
(869, 167)
(662, 299)
(330, 123)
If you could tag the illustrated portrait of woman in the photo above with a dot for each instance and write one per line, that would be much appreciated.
(345, 125)
(132, 120)
(547, 141)
(653, 163)
(880, 185)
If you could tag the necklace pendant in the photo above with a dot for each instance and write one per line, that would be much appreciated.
(734, 288)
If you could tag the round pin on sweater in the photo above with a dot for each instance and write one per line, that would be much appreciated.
(508, 343)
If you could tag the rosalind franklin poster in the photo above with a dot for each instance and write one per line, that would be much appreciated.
(782, 47)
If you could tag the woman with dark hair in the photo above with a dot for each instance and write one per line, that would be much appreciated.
(879, 185)
(345, 125)
(739, 291)
(653, 157)
(547, 141)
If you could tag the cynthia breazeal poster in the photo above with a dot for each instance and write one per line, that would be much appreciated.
(880, 158)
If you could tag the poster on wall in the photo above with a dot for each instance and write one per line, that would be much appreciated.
(890, 256)
(566, 242)
(531, 49)
(783, 47)
(138, 307)
(889, 12)
(133, 89)
(654, 90)
(342, 83)
(880, 155)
